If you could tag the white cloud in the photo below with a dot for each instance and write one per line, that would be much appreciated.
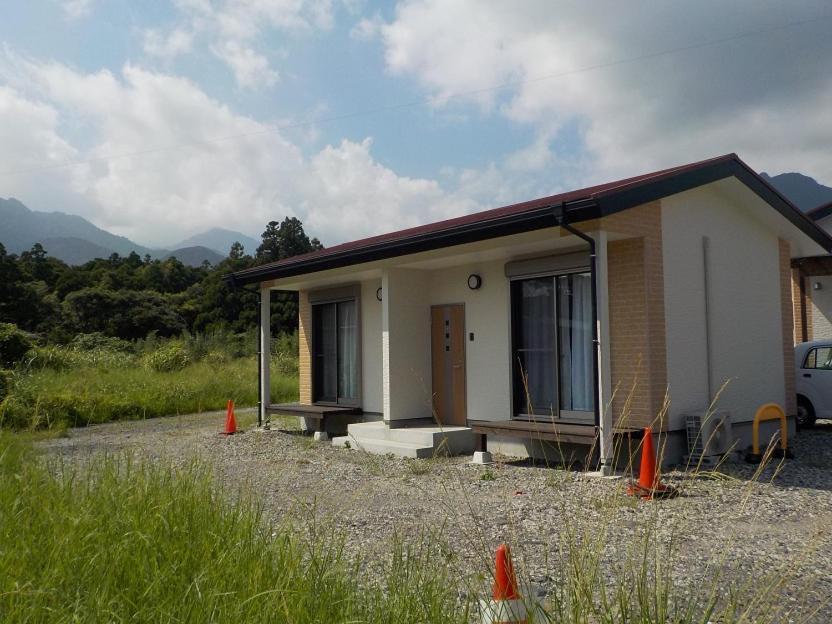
(75, 9)
(367, 28)
(251, 70)
(136, 185)
(765, 96)
(168, 46)
(235, 29)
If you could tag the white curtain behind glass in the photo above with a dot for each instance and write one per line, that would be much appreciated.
(347, 350)
(575, 325)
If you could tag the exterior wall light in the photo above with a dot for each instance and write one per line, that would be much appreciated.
(818, 286)
(474, 281)
(378, 294)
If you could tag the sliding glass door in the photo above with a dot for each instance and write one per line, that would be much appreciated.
(335, 349)
(552, 346)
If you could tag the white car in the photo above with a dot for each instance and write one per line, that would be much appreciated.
(813, 366)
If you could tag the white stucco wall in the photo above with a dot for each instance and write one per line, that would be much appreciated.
(406, 372)
(488, 372)
(371, 377)
(821, 306)
(744, 306)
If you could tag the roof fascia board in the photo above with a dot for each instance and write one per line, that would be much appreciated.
(527, 221)
(602, 204)
(615, 201)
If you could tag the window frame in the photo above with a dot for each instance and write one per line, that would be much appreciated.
(813, 351)
(335, 296)
(544, 268)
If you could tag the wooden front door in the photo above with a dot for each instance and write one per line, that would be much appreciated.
(448, 362)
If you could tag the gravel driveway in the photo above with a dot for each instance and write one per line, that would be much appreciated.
(727, 524)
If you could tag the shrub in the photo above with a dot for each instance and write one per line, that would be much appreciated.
(216, 358)
(97, 341)
(6, 381)
(169, 357)
(285, 364)
(58, 358)
(14, 344)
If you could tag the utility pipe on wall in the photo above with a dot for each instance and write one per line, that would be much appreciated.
(560, 219)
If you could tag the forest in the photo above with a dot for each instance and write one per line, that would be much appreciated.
(133, 297)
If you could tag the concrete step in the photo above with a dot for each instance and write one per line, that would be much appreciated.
(416, 441)
(384, 447)
(456, 440)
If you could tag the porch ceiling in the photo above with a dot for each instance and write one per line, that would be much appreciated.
(817, 265)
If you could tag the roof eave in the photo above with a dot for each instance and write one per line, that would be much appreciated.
(534, 219)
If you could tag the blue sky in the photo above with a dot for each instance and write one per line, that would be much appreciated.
(158, 119)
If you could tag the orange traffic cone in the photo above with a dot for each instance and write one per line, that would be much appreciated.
(506, 605)
(649, 486)
(230, 421)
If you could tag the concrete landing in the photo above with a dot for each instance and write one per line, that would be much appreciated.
(419, 441)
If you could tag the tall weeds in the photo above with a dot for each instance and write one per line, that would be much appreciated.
(118, 541)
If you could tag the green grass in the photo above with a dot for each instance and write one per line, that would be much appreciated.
(123, 542)
(81, 395)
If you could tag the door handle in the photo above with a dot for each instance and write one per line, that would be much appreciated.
(807, 374)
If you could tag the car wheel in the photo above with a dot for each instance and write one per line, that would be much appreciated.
(805, 413)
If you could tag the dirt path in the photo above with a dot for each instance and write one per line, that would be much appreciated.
(727, 524)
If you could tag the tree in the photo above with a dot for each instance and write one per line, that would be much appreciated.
(128, 314)
(237, 251)
(19, 302)
(284, 241)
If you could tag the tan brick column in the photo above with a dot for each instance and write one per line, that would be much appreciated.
(787, 313)
(304, 348)
(638, 352)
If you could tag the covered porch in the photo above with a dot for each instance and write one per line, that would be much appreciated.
(492, 337)
(506, 339)
(812, 297)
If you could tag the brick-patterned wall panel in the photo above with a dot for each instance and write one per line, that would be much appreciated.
(629, 352)
(797, 312)
(638, 343)
(305, 348)
(787, 311)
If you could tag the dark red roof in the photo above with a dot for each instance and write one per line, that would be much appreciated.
(609, 198)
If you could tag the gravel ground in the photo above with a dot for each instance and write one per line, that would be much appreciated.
(740, 527)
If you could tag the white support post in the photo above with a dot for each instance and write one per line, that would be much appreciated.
(265, 355)
(605, 383)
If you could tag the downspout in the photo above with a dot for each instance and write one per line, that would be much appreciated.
(560, 218)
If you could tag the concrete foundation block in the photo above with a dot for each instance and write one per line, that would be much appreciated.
(321, 436)
(481, 457)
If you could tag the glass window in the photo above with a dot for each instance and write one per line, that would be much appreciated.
(819, 358)
(552, 345)
(575, 342)
(534, 339)
(335, 344)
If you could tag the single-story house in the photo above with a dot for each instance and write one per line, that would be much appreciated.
(813, 287)
(575, 319)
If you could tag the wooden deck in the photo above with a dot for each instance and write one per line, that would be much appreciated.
(310, 411)
(315, 412)
(540, 430)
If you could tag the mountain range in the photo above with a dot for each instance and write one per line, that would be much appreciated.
(75, 240)
(804, 192)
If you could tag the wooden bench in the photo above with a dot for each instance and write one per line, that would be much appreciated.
(318, 413)
(539, 430)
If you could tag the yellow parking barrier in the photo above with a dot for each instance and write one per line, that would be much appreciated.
(769, 411)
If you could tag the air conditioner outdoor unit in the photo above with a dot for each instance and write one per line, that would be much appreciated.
(709, 437)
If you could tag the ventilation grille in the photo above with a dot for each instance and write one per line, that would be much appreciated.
(708, 437)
